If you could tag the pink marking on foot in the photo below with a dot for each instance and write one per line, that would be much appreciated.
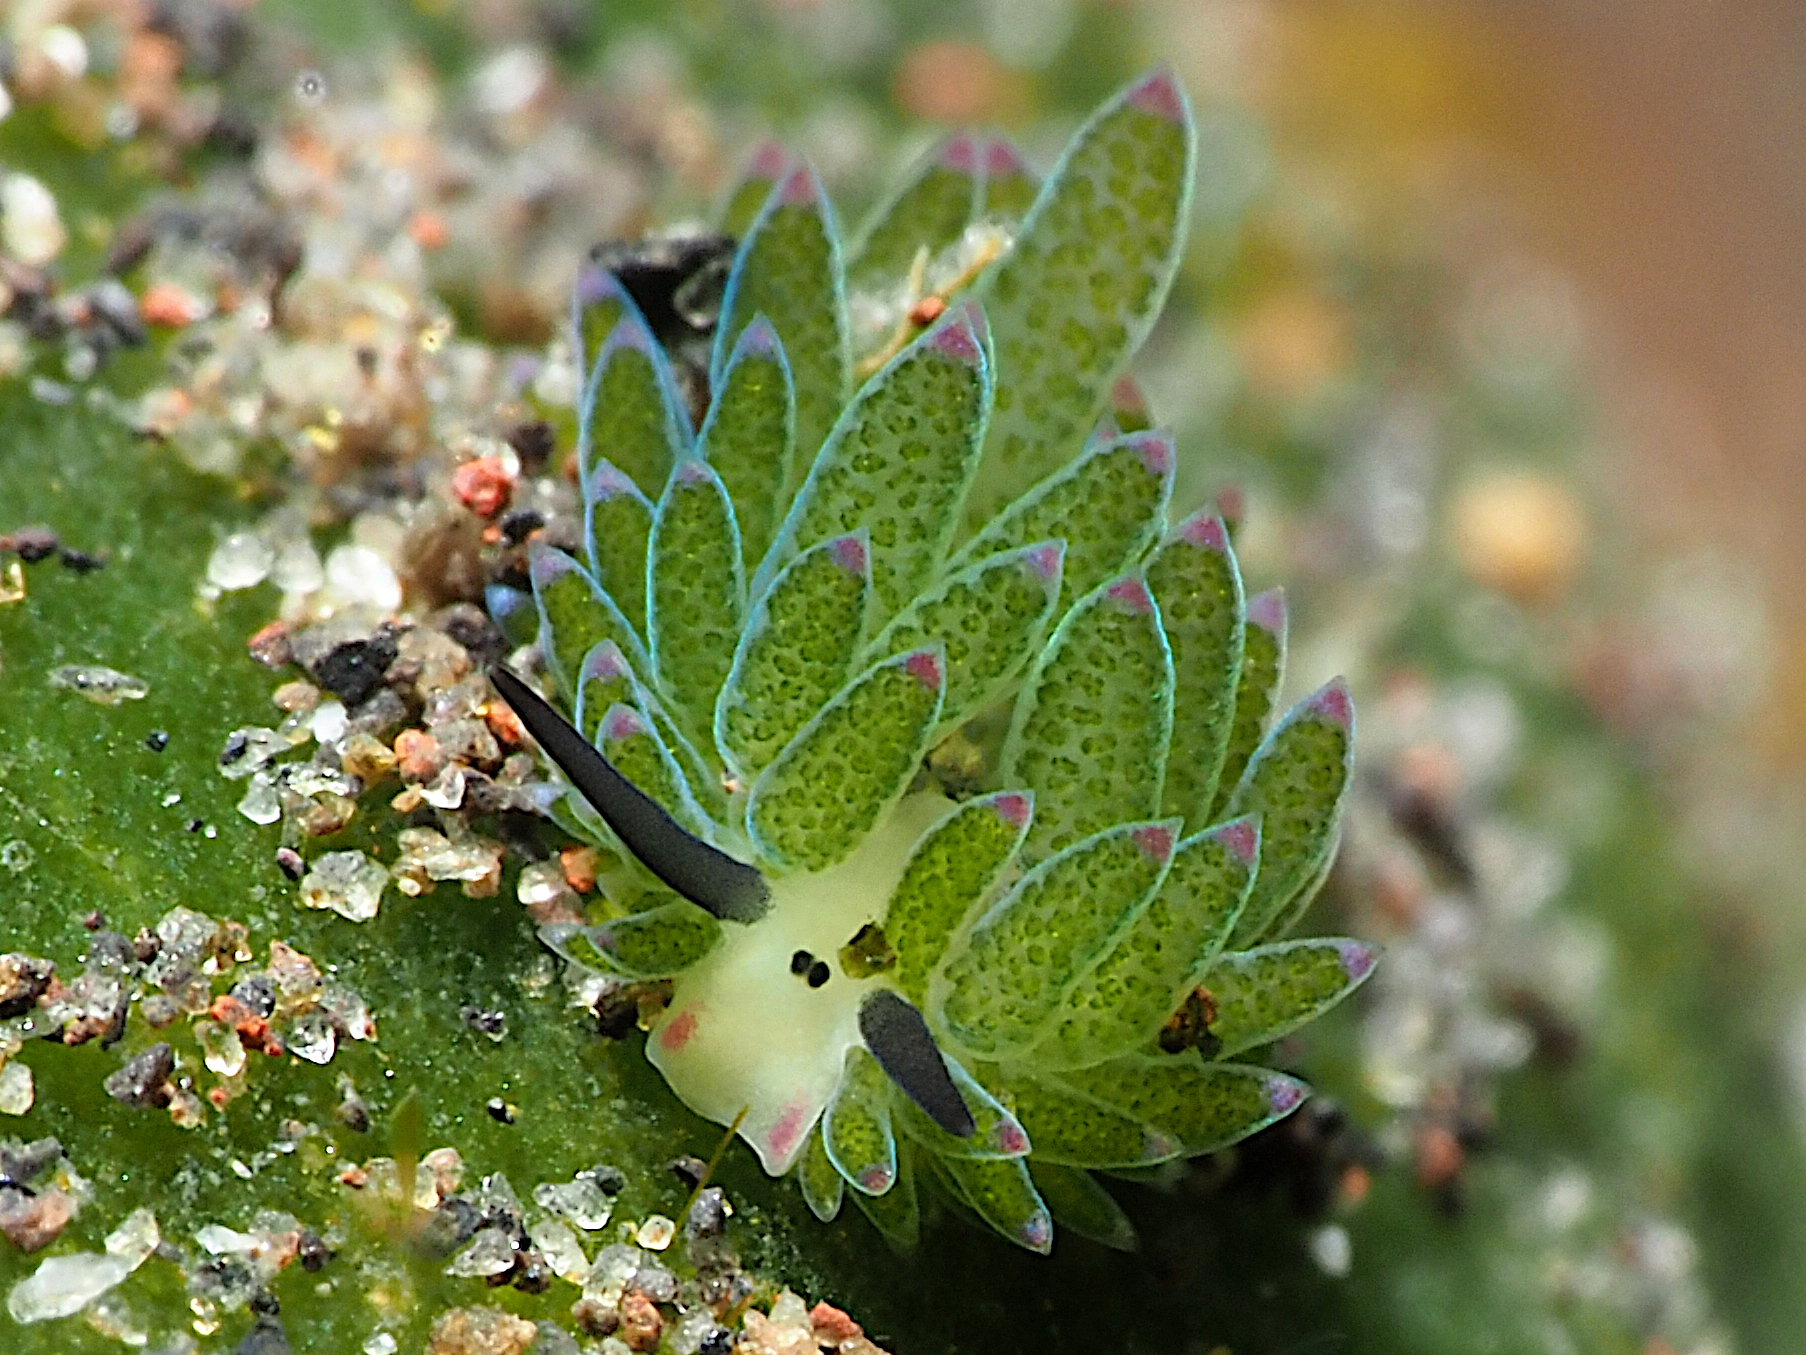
(605, 663)
(679, 1029)
(1011, 1139)
(876, 1180)
(1127, 397)
(1156, 841)
(1334, 704)
(1160, 95)
(1268, 611)
(1133, 594)
(788, 1131)
(925, 667)
(848, 552)
(958, 341)
(1014, 808)
(1284, 1095)
(1037, 1233)
(1155, 448)
(1002, 161)
(1046, 561)
(622, 722)
(799, 188)
(768, 161)
(1205, 530)
(960, 154)
(1241, 837)
(1357, 959)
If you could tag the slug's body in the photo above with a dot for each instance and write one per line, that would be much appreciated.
(942, 766)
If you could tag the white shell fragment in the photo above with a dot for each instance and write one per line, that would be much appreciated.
(17, 1090)
(63, 1285)
(241, 560)
(30, 228)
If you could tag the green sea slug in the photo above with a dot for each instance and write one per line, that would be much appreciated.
(945, 771)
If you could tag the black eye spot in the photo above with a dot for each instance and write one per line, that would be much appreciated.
(818, 973)
(800, 962)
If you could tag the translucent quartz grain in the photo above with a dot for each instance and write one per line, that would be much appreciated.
(241, 560)
(349, 883)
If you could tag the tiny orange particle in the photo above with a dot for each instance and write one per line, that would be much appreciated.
(418, 755)
(504, 724)
(579, 866)
(926, 311)
(1438, 1156)
(483, 486)
(428, 230)
(164, 303)
(832, 1326)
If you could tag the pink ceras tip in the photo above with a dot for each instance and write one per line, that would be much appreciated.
(627, 333)
(1268, 611)
(799, 188)
(849, 553)
(692, 472)
(1206, 531)
(596, 284)
(1357, 959)
(548, 565)
(1283, 1095)
(1156, 841)
(1241, 838)
(1334, 704)
(769, 161)
(1127, 395)
(1011, 1139)
(925, 667)
(1046, 561)
(605, 663)
(1013, 808)
(960, 154)
(1154, 449)
(1001, 159)
(607, 481)
(759, 338)
(1037, 1233)
(1159, 95)
(621, 723)
(1133, 594)
(958, 341)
